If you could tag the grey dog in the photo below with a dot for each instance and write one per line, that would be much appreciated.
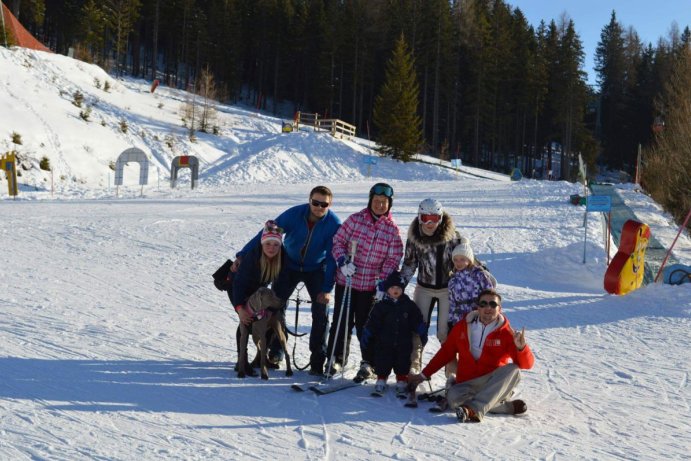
(263, 304)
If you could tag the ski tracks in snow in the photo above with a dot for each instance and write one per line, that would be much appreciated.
(313, 428)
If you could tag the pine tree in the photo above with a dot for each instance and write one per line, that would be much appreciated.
(475, 39)
(395, 108)
(526, 77)
(430, 25)
(639, 95)
(225, 53)
(207, 90)
(668, 163)
(537, 80)
(500, 77)
(574, 96)
(121, 16)
(92, 25)
(610, 63)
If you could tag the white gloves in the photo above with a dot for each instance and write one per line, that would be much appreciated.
(348, 269)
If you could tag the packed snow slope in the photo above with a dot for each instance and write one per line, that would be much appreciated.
(115, 345)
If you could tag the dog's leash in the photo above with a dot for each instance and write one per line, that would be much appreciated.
(298, 301)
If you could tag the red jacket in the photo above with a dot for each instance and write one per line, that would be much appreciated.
(498, 349)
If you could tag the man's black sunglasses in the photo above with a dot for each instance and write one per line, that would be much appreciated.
(320, 204)
(492, 304)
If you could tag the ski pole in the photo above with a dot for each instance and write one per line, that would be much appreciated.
(346, 328)
(349, 289)
(662, 266)
(346, 293)
(338, 325)
(431, 393)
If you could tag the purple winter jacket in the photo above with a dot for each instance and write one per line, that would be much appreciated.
(464, 288)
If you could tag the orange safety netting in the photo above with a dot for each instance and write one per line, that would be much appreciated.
(21, 36)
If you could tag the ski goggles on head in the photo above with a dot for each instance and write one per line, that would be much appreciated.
(430, 218)
(272, 226)
(384, 190)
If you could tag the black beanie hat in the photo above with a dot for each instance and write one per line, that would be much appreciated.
(394, 280)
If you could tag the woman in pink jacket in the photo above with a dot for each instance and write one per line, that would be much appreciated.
(378, 249)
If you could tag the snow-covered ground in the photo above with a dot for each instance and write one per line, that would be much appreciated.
(115, 345)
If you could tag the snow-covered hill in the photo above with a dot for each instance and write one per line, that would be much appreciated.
(115, 345)
(37, 92)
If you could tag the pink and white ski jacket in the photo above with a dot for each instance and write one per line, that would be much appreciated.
(379, 248)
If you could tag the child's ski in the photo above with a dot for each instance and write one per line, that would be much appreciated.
(329, 387)
(440, 407)
(302, 387)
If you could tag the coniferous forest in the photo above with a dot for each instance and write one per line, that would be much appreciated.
(490, 88)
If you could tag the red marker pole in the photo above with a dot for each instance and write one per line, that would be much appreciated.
(683, 226)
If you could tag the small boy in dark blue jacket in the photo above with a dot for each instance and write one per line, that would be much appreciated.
(389, 332)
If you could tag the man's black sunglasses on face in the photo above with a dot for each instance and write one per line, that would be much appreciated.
(492, 304)
(320, 204)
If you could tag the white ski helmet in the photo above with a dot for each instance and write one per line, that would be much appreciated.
(430, 206)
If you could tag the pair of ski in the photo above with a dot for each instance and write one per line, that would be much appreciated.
(327, 387)
(436, 396)
(330, 386)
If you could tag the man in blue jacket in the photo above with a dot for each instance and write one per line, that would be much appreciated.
(309, 231)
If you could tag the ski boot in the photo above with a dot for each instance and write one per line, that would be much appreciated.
(379, 388)
(365, 372)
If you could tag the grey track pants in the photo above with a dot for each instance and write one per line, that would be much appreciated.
(423, 298)
(486, 393)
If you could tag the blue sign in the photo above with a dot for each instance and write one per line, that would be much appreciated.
(602, 203)
(456, 162)
(371, 160)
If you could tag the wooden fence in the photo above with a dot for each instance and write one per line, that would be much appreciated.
(337, 128)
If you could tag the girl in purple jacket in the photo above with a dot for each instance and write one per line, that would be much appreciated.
(467, 282)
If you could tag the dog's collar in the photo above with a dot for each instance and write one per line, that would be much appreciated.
(258, 315)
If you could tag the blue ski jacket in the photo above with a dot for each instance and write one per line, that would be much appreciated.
(306, 250)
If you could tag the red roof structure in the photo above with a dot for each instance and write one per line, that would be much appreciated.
(20, 35)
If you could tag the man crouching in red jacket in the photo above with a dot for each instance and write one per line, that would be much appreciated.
(484, 343)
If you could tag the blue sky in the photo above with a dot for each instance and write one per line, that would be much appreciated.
(651, 19)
